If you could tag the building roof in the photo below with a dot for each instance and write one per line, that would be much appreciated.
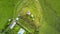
(17, 18)
(28, 13)
(21, 31)
(13, 24)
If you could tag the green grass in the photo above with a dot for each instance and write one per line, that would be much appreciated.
(50, 16)
(34, 10)
(46, 14)
(6, 12)
(16, 28)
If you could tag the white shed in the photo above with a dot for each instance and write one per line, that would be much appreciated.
(13, 24)
(28, 13)
(21, 31)
(17, 18)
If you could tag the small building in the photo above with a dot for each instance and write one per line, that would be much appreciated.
(32, 15)
(28, 13)
(12, 24)
(17, 18)
(21, 31)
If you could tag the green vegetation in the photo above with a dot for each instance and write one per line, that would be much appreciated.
(51, 16)
(6, 12)
(46, 16)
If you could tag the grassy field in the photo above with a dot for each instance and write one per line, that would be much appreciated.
(36, 11)
(6, 12)
(46, 15)
(51, 16)
(17, 6)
